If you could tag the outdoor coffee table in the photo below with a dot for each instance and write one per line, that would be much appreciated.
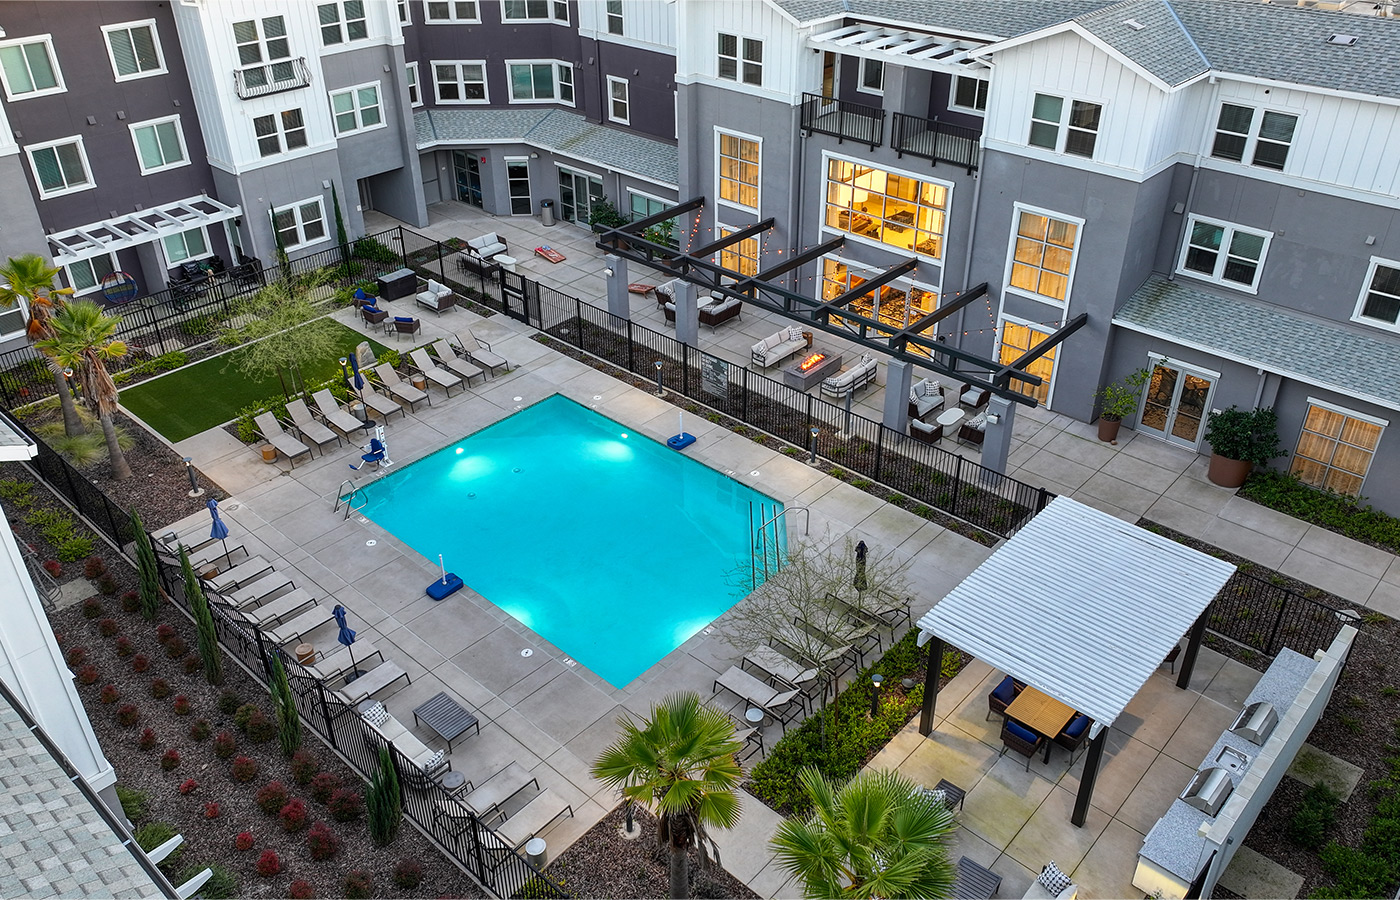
(1040, 713)
(447, 717)
(950, 418)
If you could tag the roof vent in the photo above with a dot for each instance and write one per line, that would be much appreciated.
(1134, 24)
(1342, 40)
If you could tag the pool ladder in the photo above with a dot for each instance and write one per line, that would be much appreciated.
(763, 544)
(348, 500)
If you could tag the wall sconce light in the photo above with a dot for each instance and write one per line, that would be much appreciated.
(608, 271)
(534, 155)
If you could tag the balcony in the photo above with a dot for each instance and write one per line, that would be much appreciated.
(842, 119)
(272, 78)
(936, 141)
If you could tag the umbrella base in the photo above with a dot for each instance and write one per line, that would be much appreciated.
(443, 587)
(352, 675)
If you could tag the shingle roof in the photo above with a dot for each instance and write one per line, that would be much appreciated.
(1161, 45)
(556, 130)
(1317, 351)
(993, 18)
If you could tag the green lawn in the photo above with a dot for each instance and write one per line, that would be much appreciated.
(209, 393)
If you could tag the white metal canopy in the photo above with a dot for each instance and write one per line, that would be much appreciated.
(1079, 605)
(144, 226)
(905, 48)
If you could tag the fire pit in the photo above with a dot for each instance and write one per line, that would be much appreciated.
(810, 368)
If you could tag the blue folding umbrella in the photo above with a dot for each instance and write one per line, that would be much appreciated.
(220, 530)
(346, 637)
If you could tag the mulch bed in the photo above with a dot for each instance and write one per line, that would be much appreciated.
(603, 863)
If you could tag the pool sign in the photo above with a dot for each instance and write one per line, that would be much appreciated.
(714, 376)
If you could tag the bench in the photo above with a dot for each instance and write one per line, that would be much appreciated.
(382, 729)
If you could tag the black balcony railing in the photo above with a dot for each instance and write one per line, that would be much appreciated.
(843, 119)
(272, 78)
(936, 141)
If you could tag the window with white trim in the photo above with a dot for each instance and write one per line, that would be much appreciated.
(619, 108)
(262, 41)
(1243, 134)
(437, 11)
(741, 256)
(405, 14)
(301, 223)
(460, 81)
(60, 167)
(615, 17)
(415, 94)
(134, 49)
(186, 245)
(1224, 253)
(1042, 255)
(749, 68)
(85, 275)
(535, 11)
(1336, 447)
(969, 94)
(1018, 337)
(29, 68)
(642, 205)
(1379, 303)
(738, 169)
(872, 76)
(540, 81)
(342, 22)
(160, 144)
(280, 132)
(897, 304)
(14, 319)
(1070, 127)
(357, 108)
(888, 207)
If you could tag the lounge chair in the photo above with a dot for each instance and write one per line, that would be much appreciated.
(259, 591)
(196, 539)
(532, 818)
(384, 406)
(332, 412)
(274, 611)
(466, 368)
(499, 788)
(272, 432)
(406, 325)
(757, 693)
(328, 668)
(776, 665)
(206, 556)
(473, 346)
(424, 365)
(372, 682)
(292, 631)
(307, 427)
(398, 388)
(239, 575)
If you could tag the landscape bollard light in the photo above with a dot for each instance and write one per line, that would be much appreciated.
(195, 489)
(660, 390)
(812, 460)
(877, 681)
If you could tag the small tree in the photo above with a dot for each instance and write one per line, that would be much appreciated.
(84, 340)
(280, 332)
(342, 240)
(28, 281)
(209, 652)
(288, 722)
(384, 803)
(147, 568)
(283, 264)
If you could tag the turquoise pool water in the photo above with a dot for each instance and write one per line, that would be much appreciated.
(609, 545)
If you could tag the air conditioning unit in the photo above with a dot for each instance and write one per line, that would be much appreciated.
(1208, 790)
(1256, 723)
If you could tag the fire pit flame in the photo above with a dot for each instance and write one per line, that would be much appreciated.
(811, 361)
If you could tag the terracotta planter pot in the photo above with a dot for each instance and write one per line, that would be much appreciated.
(1226, 472)
(1108, 429)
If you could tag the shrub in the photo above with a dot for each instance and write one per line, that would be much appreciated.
(108, 627)
(75, 656)
(244, 769)
(74, 548)
(133, 802)
(408, 874)
(53, 567)
(272, 797)
(1315, 815)
(357, 885)
(160, 688)
(189, 786)
(109, 694)
(211, 810)
(147, 740)
(229, 702)
(384, 802)
(176, 647)
(322, 842)
(125, 647)
(94, 567)
(346, 805)
(107, 584)
(260, 728)
(199, 730)
(304, 767)
(181, 705)
(243, 714)
(222, 885)
(225, 745)
(192, 664)
(140, 663)
(244, 841)
(269, 864)
(164, 632)
(131, 602)
(92, 608)
(153, 834)
(87, 674)
(323, 785)
(301, 890)
(293, 816)
(127, 715)
(170, 760)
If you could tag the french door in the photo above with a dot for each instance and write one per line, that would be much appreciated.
(1175, 404)
(578, 191)
(468, 172)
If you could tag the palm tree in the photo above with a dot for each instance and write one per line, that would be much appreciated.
(874, 836)
(29, 278)
(681, 761)
(82, 342)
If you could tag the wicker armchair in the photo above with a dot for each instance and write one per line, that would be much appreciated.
(999, 699)
(1015, 736)
(1073, 735)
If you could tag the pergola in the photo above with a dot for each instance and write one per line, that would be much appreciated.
(145, 226)
(1080, 606)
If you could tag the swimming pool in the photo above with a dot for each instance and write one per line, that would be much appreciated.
(608, 544)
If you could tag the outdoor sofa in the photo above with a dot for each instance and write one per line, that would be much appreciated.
(853, 379)
(778, 346)
(382, 729)
(487, 245)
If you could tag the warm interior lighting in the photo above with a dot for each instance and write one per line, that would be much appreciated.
(811, 361)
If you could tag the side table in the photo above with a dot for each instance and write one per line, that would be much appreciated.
(955, 794)
(453, 781)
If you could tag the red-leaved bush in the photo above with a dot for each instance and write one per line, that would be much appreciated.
(304, 767)
(160, 688)
(181, 705)
(323, 785)
(211, 810)
(225, 745)
(293, 816)
(108, 627)
(170, 759)
(140, 663)
(199, 730)
(322, 842)
(164, 632)
(53, 567)
(131, 602)
(87, 675)
(301, 890)
(127, 714)
(269, 864)
(408, 874)
(244, 841)
(125, 647)
(189, 786)
(75, 656)
(109, 694)
(346, 805)
(272, 797)
(147, 740)
(245, 769)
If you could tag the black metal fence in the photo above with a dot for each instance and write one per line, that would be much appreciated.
(1267, 617)
(86, 497)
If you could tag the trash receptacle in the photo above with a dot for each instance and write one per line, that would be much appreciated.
(537, 852)
(546, 212)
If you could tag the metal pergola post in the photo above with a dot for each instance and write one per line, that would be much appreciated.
(1087, 778)
(933, 671)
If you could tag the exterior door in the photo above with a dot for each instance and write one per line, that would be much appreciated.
(468, 173)
(578, 191)
(518, 178)
(1175, 403)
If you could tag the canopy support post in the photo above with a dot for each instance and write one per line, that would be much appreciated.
(1193, 646)
(933, 670)
(1086, 780)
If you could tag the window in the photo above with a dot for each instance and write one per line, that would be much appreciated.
(1380, 298)
(872, 76)
(1049, 129)
(888, 207)
(85, 276)
(1223, 253)
(1016, 339)
(451, 11)
(534, 82)
(301, 223)
(280, 131)
(738, 170)
(1262, 140)
(415, 95)
(460, 82)
(192, 244)
(342, 22)
(1336, 448)
(160, 145)
(614, 16)
(60, 167)
(1042, 255)
(134, 50)
(405, 15)
(741, 257)
(535, 11)
(969, 94)
(896, 304)
(617, 100)
(30, 68)
(14, 319)
(264, 40)
(356, 108)
(730, 63)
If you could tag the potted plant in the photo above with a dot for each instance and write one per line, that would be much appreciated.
(1239, 440)
(1116, 400)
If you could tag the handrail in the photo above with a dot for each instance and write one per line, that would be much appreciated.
(341, 497)
(807, 526)
(843, 119)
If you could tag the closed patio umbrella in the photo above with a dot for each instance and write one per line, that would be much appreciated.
(346, 637)
(219, 531)
(861, 550)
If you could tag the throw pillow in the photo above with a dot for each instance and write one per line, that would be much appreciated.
(376, 715)
(794, 333)
(434, 761)
(1052, 879)
(403, 318)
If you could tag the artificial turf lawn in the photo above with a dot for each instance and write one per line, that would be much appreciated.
(199, 397)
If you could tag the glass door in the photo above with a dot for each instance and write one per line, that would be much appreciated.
(1175, 404)
(518, 178)
(468, 173)
(578, 191)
